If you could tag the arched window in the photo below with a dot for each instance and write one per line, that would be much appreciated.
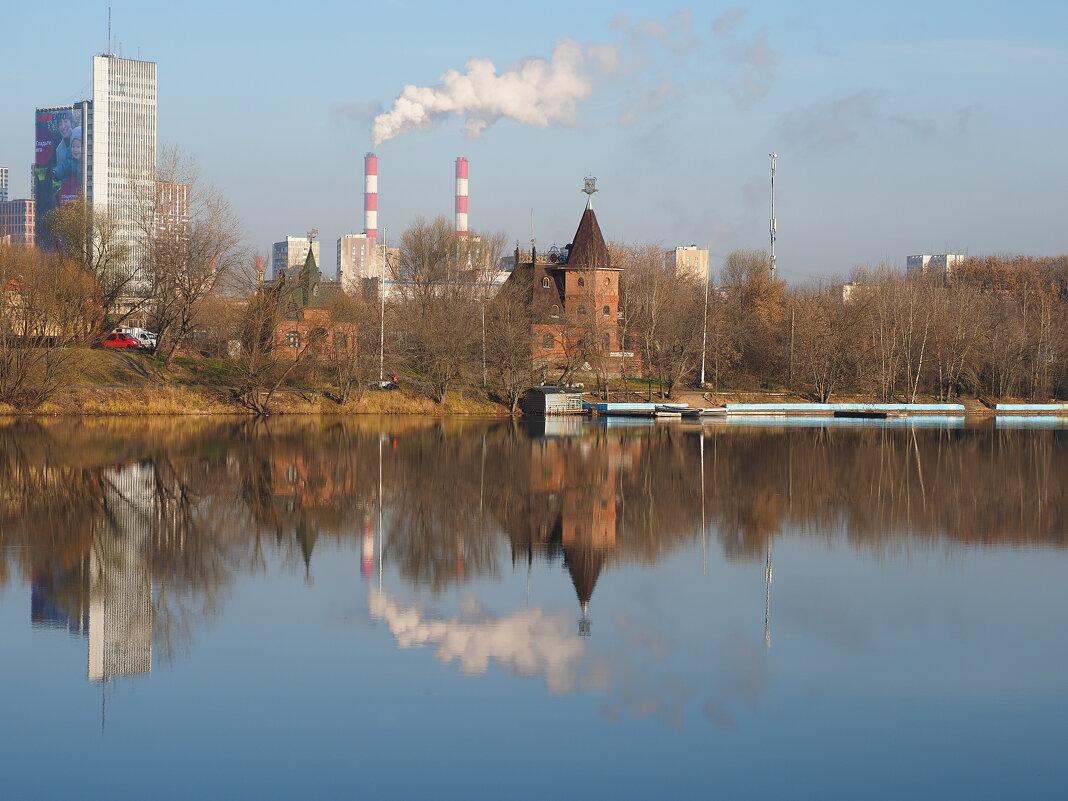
(548, 342)
(606, 311)
(582, 311)
(581, 281)
(545, 282)
(606, 342)
(555, 311)
(292, 340)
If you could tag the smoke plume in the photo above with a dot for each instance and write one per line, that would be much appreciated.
(537, 92)
(544, 92)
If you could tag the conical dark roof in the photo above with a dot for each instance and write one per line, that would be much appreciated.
(588, 249)
(584, 564)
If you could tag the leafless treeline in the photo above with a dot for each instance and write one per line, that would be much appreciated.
(995, 326)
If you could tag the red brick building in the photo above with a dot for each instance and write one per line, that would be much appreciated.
(575, 298)
(307, 316)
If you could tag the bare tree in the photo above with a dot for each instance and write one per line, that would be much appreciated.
(259, 369)
(509, 346)
(191, 239)
(442, 280)
(349, 360)
(92, 238)
(828, 334)
(47, 305)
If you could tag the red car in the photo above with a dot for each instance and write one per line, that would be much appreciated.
(121, 341)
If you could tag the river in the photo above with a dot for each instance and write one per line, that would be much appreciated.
(408, 608)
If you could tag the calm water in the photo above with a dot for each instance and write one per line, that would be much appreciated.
(408, 609)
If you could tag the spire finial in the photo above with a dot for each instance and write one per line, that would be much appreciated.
(589, 187)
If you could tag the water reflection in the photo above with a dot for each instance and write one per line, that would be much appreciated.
(132, 535)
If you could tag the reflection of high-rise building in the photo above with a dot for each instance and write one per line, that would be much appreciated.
(120, 584)
(122, 143)
(58, 600)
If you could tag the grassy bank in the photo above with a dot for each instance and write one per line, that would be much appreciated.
(100, 383)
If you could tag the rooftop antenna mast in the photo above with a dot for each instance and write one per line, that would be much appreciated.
(771, 224)
(109, 29)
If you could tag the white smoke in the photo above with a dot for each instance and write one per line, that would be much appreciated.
(542, 92)
(529, 642)
(537, 92)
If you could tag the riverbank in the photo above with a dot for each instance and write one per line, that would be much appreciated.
(109, 384)
(173, 399)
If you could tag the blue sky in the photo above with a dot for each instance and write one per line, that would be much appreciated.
(921, 127)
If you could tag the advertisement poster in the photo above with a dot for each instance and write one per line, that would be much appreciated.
(59, 151)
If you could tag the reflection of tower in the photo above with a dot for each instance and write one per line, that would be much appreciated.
(120, 587)
(767, 597)
(584, 563)
(367, 553)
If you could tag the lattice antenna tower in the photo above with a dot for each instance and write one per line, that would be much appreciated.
(771, 224)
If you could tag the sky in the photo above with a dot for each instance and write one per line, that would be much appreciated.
(913, 127)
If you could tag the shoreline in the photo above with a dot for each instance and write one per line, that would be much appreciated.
(193, 400)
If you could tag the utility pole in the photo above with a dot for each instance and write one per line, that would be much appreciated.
(771, 225)
(704, 334)
(382, 312)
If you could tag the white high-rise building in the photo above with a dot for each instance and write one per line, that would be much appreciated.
(358, 257)
(687, 260)
(3, 184)
(292, 252)
(939, 263)
(122, 143)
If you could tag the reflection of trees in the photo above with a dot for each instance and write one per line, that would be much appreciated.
(224, 495)
(437, 484)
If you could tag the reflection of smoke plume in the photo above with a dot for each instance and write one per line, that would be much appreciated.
(528, 642)
(532, 642)
(536, 92)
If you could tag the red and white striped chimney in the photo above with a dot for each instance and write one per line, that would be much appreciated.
(370, 195)
(461, 196)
